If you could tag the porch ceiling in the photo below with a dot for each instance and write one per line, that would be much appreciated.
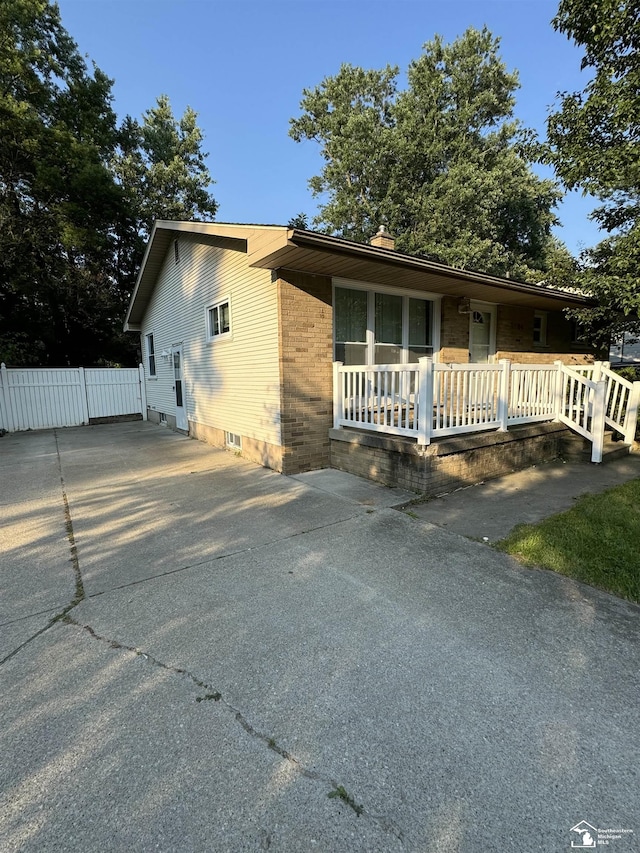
(321, 255)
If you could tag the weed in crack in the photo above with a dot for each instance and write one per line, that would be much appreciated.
(208, 696)
(341, 793)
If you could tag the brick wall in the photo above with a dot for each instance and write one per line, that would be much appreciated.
(306, 375)
(514, 338)
(454, 333)
(445, 465)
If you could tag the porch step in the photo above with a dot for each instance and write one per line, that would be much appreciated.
(578, 449)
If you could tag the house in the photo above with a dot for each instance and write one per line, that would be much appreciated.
(625, 350)
(240, 326)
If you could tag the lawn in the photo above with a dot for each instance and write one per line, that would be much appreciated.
(596, 542)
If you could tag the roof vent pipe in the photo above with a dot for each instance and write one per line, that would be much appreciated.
(383, 240)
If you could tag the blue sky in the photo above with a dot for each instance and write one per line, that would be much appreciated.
(242, 65)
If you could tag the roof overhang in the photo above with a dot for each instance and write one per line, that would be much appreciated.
(277, 247)
(319, 254)
(162, 236)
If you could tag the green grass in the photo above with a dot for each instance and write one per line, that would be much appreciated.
(596, 542)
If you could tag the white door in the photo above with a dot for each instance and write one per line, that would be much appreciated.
(482, 333)
(178, 378)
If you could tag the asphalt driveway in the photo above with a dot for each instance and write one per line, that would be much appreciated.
(201, 655)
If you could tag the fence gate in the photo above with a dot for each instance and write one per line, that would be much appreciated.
(44, 397)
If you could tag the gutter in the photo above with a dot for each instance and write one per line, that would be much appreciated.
(335, 245)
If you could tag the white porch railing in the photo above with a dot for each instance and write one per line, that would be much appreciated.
(427, 401)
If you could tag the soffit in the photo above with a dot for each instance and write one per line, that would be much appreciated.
(389, 268)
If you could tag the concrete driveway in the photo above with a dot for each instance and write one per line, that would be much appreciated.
(202, 655)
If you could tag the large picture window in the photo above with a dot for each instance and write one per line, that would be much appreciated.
(375, 327)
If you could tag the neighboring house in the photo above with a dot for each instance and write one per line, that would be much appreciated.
(625, 350)
(240, 326)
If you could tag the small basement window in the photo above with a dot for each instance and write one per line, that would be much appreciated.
(540, 328)
(218, 320)
(234, 440)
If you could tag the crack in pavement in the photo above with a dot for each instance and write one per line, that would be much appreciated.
(336, 790)
(63, 616)
(79, 594)
(82, 595)
(215, 558)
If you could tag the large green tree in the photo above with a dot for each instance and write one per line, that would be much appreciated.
(594, 144)
(58, 201)
(78, 193)
(162, 167)
(441, 162)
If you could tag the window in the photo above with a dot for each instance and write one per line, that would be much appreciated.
(233, 440)
(576, 332)
(151, 355)
(540, 328)
(351, 326)
(376, 327)
(218, 319)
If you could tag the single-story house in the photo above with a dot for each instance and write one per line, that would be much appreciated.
(241, 327)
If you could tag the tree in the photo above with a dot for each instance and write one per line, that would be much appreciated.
(594, 145)
(162, 168)
(78, 194)
(442, 162)
(58, 201)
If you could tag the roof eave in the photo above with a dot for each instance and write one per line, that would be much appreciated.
(391, 256)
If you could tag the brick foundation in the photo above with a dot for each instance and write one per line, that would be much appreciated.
(445, 465)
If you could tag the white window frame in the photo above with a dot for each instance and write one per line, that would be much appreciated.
(543, 328)
(372, 289)
(219, 336)
(150, 355)
(233, 440)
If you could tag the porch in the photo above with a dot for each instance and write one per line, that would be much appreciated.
(428, 425)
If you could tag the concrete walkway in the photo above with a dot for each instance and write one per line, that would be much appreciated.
(489, 511)
(201, 655)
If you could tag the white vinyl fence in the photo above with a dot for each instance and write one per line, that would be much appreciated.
(427, 401)
(43, 397)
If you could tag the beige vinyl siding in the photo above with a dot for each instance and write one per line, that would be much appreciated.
(230, 384)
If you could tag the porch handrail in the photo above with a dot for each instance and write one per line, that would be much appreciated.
(581, 405)
(622, 401)
(430, 400)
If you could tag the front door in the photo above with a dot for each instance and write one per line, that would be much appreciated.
(178, 378)
(481, 333)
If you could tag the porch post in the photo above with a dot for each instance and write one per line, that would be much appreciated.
(425, 400)
(558, 404)
(631, 416)
(596, 376)
(503, 394)
(338, 397)
(597, 420)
